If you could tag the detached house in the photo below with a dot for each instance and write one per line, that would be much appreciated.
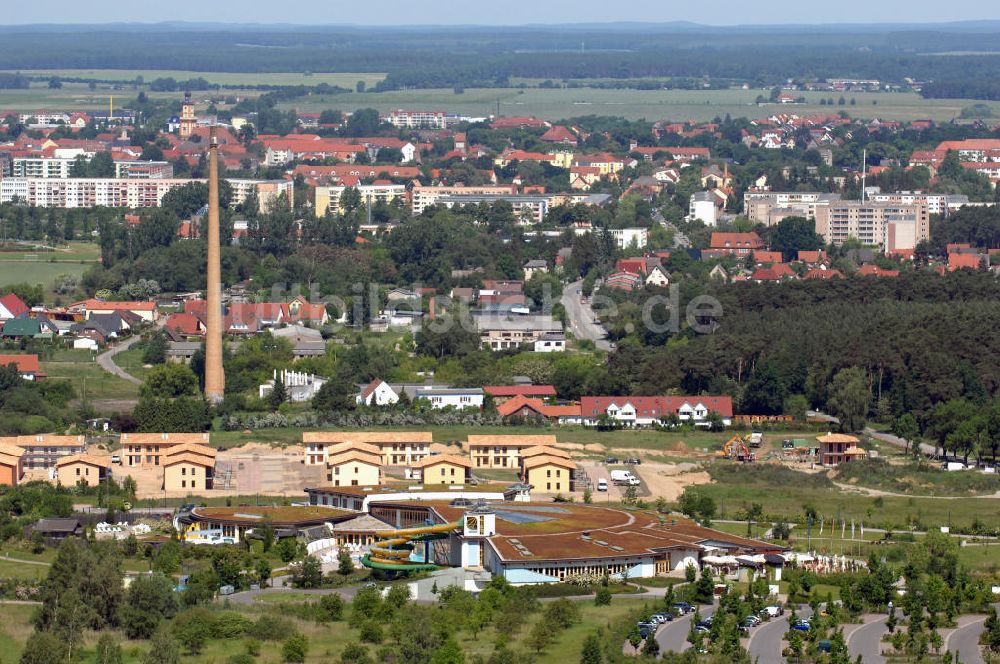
(646, 411)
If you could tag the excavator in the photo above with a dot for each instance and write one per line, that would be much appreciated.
(737, 449)
(391, 552)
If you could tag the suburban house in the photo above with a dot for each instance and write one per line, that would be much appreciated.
(533, 267)
(534, 408)
(737, 244)
(11, 465)
(355, 467)
(144, 310)
(444, 469)
(27, 365)
(550, 474)
(500, 332)
(43, 451)
(83, 470)
(147, 449)
(646, 411)
(452, 397)
(11, 306)
(503, 451)
(837, 448)
(188, 466)
(504, 393)
(550, 342)
(55, 530)
(377, 393)
(398, 448)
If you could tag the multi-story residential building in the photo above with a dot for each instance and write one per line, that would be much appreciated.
(504, 451)
(423, 197)
(416, 119)
(148, 449)
(43, 451)
(144, 170)
(646, 411)
(940, 204)
(83, 469)
(527, 208)
(499, 332)
(41, 167)
(370, 194)
(888, 226)
(630, 238)
(398, 448)
(702, 207)
(121, 193)
(770, 207)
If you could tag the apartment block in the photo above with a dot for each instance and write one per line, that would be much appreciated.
(940, 204)
(424, 197)
(527, 209)
(770, 207)
(370, 194)
(417, 119)
(888, 226)
(45, 450)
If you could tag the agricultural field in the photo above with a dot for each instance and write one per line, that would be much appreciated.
(343, 79)
(88, 379)
(25, 264)
(678, 105)
(547, 103)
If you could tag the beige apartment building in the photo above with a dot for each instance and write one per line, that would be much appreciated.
(504, 451)
(499, 332)
(354, 468)
(43, 451)
(444, 469)
(888, 226)
(423, 197)
(188, 467)
(148, 449)
(83, 469)
(770, 207)
(397, 448)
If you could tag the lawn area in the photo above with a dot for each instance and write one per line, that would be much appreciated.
(88, 378)
(680, 105)
(131, 361)
(38, 266)
(12, 570)
(15, 627)
(784, 493)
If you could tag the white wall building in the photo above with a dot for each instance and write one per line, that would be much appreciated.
(630, 237)
(702, 206)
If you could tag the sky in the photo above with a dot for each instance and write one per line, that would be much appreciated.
(504, 12)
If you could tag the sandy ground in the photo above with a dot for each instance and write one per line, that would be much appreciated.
(669, 479)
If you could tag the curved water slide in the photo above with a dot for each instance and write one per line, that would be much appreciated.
(392, 551)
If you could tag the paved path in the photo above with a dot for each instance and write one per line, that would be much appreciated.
(865, 640)
(580, 318)
(107, 360)
(767, 640)
(925, 448)
(26, 562)
(681, 241)
(964, 639)
(673, 635)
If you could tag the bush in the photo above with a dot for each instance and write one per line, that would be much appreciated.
(332, 607)
(272, 628)
(371, 632)
(295, 648)
(193, 628)
(241, 658)
(603, 597)
(231, 625)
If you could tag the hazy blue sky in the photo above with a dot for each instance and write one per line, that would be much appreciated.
(503, 12)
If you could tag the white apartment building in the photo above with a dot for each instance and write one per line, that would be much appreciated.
(702, 206)
(370, 193)
(888, 226)
(940, 204)
(424, 197)
(525, 206)
(626, 238)
(416, 119)
(770, 207)
(122, 193)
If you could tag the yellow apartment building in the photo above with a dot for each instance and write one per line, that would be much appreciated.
(444, 469)
(549, 474)
(504, 451)
(354, 468)
(397, 448)
(83, 469)
(148, 449)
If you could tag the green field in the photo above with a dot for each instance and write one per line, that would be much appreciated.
(43, 267)
(550, 104)
(676, 105)
(88, 378)
(343, 79)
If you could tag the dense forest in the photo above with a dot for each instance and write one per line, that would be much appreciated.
(758, 56)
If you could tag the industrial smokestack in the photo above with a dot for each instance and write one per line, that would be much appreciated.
(215, 378)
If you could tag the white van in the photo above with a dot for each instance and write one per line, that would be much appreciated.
(602, 485)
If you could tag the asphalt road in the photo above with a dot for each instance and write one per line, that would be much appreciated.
(580, 318)
(866, 640)
(965, 639)
(673, 635)
(926, 448)
(107, 360)
(681, 241)
(765, 642)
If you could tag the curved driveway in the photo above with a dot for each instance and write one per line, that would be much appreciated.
(673, 635)
(964, 639)
(865, 640)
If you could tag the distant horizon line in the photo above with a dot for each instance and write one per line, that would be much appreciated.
(986, 24)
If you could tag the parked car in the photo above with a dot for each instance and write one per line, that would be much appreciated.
(662, 617)
(602, 485)
(702, 629)
(773, 611)
(611, 461)
(801, 626)
(824, 646)
(633, 460)
(752, 620)
(682, 607)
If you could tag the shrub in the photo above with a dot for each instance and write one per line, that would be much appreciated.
(332, 607)
(371, 632)
(295, 648)
(603, 597)
(231, 625)
(272, 628)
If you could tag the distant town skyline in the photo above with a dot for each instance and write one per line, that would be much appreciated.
(511, 12)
